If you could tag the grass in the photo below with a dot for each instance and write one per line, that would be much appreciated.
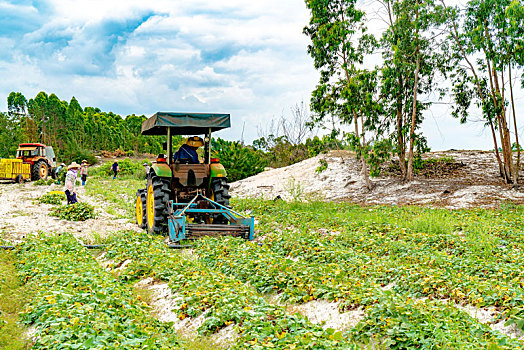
(13, 296)
(120, 192)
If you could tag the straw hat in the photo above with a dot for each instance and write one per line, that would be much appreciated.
(62, 164)
(195, 141)
(116, 161)
(73, 165)
(84, 161)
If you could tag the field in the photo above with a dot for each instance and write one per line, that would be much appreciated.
(319, 275)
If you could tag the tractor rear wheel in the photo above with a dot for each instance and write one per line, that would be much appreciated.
(40, 170)
(220, 194)
(157, 197)
(140, 208)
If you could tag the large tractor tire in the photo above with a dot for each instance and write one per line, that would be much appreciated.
(220, 194)
(140, 208)
(40, 170)
(157, 197)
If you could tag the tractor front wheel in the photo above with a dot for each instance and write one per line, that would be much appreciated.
(39, 171)
(140, 208)
(157, 197)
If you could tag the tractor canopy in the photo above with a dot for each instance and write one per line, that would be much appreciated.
(185, 123)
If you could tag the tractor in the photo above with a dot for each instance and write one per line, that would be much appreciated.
(34, 161)
(187, 200)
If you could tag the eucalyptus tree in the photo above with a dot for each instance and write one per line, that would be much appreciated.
(413, 50)
(488, 40)
(345, 91)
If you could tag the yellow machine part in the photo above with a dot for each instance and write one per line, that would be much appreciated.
(11, 168)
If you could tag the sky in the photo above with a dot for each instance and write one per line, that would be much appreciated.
(246, 58)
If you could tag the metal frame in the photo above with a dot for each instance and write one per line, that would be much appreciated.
(177, 219)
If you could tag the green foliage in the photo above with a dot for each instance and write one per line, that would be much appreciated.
(78, 305)
(14, 296)
(223, 300)
(240, 161)
(11, 134)
(127, 167)
(74, 212)
(52, 198)
(42, 182)
(322, 165)
(74, 133)
(278, 152)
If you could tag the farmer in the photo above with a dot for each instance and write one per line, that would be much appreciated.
(146, 168)
(189, 150)
(83, 172)
(70, 180)
(115, 168)
(57, 170)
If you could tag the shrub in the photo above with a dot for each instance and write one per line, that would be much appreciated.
(127, 167)
(240, 161)
(75, 212)
(52, 198)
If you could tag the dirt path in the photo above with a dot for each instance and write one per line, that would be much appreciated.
(21, 214)
(470, 181)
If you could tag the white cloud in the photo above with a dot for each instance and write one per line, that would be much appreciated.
(135, 56)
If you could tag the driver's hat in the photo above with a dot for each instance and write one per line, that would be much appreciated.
(195, 141)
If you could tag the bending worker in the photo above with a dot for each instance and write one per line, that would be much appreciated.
(189, 150)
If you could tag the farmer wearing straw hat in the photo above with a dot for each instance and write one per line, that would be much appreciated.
(83, 172)
(70, 180)
(188, 151)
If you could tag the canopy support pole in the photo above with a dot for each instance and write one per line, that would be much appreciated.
(169, 147)
(208, 151)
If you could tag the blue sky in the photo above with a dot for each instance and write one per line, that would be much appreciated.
(133, 56)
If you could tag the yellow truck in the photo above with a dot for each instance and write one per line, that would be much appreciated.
(15, 169)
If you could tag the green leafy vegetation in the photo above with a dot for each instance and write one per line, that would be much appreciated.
(42, 182)
(78, 305)
(52, 198)
(42, 119)
(13, 296)
(224, 299)
(74, 212)
(127, 167)
(240, 161)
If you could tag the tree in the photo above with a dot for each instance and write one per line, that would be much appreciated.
(490, 43)
(344, 92)
(412, 57)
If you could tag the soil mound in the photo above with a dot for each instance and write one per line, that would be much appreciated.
(451, 179)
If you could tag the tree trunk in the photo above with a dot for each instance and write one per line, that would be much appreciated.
(517, 166)
(497, 155)
(365, 171)
(400, 139)
(409, 176)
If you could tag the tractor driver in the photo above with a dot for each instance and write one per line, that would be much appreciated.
(189, 150)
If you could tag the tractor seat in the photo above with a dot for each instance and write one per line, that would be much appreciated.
(184, 161)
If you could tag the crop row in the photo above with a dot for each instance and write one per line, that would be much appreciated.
(301, 281)
(78, 305)
(482, 263)
(223, 299)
